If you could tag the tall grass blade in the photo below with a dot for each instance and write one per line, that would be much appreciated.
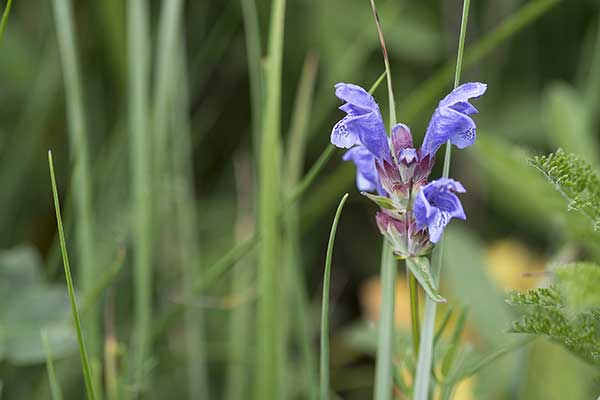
(82, 177)
(55, 389)
(269, 340)
(295, 280)
(4, 20)
(325, 304)
(385, 343)
(140, 151)
(253, 55)
(85, 365)
(188, 236)
(425, 357)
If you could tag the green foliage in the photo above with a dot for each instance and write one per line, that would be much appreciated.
(575, 179)
(568, 312)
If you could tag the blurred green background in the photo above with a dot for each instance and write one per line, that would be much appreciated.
(540, 59)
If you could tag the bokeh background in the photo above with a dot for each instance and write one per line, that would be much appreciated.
(540, 59)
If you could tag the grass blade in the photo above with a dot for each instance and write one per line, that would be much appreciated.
(140, 150)
(325, 304)
(55, 389)
(425, 357)
(4, 20)
(385, 341)
(295, 280)
(384, 369)
(269, 338)
(87, 373)
(82, 178)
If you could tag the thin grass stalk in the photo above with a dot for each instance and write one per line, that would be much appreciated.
(384, 368)
(55, 389)
(4, 20)
(295, 281)
(269, 338)
(386, 332)
(253, 56)
(85, 365)
(188, 236)
(425, 357)
(238, 374)
(82, 177)
(413, 288)
(169, 24)
(325, 304)
(138, 52)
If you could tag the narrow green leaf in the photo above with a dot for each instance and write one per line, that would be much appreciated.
(82, 176)
(138, 51)
(384, 367)
(87, 373)
(269, 341)
(325, 304)
(420, 268)
(4, 20)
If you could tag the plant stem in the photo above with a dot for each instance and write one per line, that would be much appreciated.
(269, 344)
(413, 287)
(85, 365)
(385, 343)
(425, 356)
(82, 177)
(325, 304)
(139, 76)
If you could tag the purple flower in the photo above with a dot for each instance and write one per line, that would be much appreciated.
(436, 204)
(451, 120)
(362, 124)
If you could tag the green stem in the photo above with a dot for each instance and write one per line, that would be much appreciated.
(4, 20)
(425, 357)
(268, 367)
(139, 76)
(385, 343)
(325, 305)
(413, 287)
(82, 177)
(85, 365)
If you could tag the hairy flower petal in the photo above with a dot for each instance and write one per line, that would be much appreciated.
(436, 204)
(451, 121)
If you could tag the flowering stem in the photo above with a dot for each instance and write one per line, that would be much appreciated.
(425, 356)
(413, 287)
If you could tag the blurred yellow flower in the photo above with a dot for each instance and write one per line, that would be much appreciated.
(370, 299)
(513, 266)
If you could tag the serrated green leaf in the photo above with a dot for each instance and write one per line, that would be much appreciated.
(420, 268)
(575, 180)
(578, 284)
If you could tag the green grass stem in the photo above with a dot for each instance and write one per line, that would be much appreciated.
(324, 384)
(4, 20)
(268, 356)
(85, 365)
(384, 368)
(138, 51)
(82, 176)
